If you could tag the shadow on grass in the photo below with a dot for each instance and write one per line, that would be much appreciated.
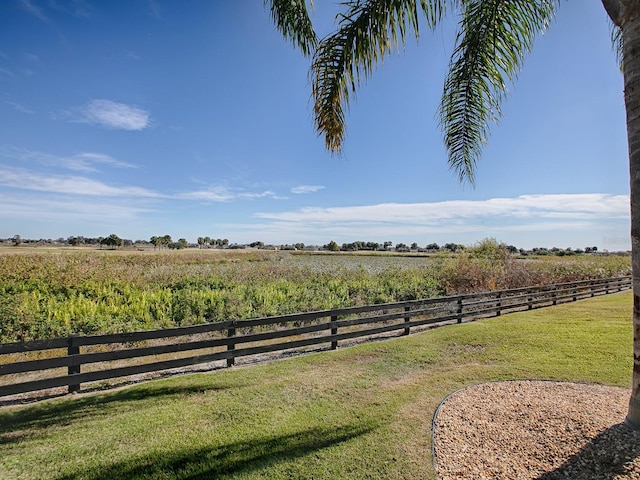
(22, 423)
(607, 455)
(224, 460)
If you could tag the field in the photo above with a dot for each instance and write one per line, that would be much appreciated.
(361, 412)
(51, 293)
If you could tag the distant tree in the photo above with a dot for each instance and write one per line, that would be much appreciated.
(387, 245)
(332, 246)
(372, 246)
(17, 240)
(433, 246)
(401, 247)
(414, 246)
(299, 246)
(200, 242)
(491, 249)
(74, 241)
(452, 247)
(179, 245)
(112, 241)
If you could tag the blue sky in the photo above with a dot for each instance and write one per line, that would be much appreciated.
(152, 117)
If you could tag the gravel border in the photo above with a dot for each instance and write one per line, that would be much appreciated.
(535, 430)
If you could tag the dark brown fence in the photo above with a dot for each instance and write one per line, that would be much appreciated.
(72, 361)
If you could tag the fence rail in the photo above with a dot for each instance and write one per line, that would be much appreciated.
(76, 360)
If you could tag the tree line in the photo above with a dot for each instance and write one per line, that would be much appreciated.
(158, 242)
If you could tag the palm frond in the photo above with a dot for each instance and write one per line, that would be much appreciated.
(616, 42)
(493, 39)
(291, 17)
(367, 32)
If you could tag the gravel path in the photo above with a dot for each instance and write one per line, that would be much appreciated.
(535, 430)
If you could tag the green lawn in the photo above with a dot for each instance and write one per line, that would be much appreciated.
(360, 412)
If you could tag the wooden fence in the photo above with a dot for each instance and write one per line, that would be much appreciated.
(72, 361)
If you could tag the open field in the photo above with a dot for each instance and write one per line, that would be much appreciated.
(46, 294)
(360, 412)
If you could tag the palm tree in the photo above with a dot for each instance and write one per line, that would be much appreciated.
(493, 38)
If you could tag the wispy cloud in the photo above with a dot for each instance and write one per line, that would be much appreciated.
(76, 8)
(84, 162)
(36, 11)
(17, 107)
(155, 10)
(7, 73)
(522, 207)
(306, 189)
(108, 114)
(27, 179)
(74, 185)
(224, 194)
(528, 220)
(62, 208)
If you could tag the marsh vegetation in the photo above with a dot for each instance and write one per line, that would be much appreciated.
(56, 293)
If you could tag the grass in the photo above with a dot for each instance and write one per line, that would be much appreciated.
(362, 412)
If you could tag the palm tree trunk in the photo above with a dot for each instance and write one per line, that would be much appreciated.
(630, 21)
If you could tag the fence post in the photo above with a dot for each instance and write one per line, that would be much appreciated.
(459, 311)
(498, 304)
(555, 295)
(334, 331)
(73, 349)
(407, 319)
(575, 293)
(231, 346)
(530, 300)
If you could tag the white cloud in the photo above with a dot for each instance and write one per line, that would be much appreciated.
(224, 194)
(61, 208)
(155, 10)
(214, 194)
(525, 206)
(34, 10)
(525, 221)
(17, 107)
(265, 194)
(28, 179)
(307, 189)
(7, 73)
(108, 114)
(85, 161)
(76, 185)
